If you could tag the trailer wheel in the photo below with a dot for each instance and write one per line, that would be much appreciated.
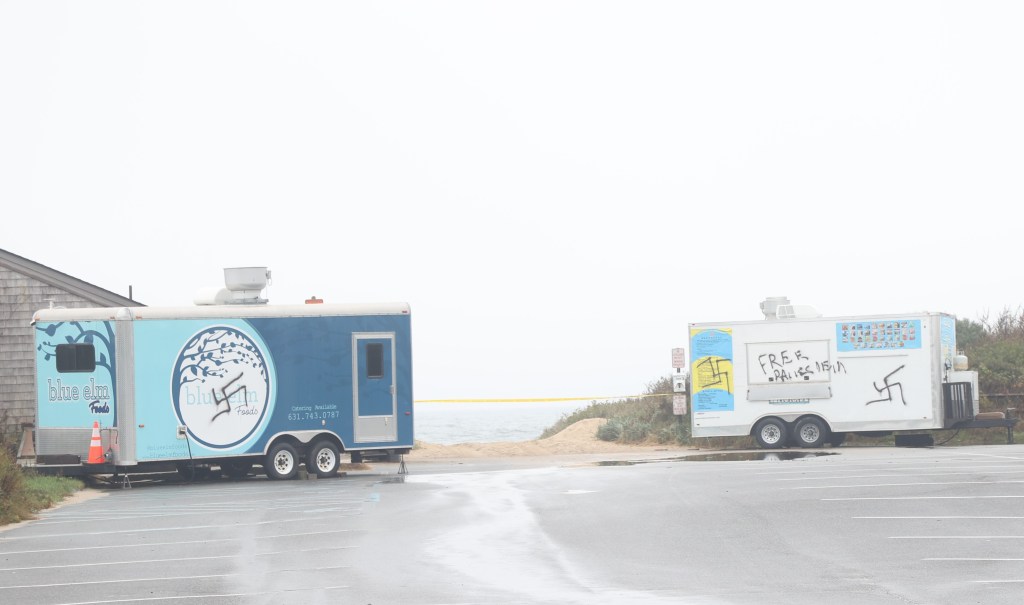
(282, 462)
(810, 432)
(323, 459)
(771, 433)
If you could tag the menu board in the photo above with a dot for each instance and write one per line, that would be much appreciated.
(885, 335)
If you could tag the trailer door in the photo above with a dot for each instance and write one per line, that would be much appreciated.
(373, 386)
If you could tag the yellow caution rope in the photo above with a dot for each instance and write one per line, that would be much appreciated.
(540, 399)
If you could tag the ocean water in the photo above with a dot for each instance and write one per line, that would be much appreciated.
(450, 423)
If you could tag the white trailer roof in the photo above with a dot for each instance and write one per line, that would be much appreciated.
(877, 317)
(219, 311)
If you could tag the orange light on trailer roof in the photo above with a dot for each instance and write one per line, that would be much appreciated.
(313, 300)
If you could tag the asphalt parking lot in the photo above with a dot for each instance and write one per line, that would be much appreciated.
(866, 525)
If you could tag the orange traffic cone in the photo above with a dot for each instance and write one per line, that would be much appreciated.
(96, 445)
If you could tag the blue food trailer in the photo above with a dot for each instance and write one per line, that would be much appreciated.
(222, 386)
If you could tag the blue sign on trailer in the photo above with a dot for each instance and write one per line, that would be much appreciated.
(226, 384)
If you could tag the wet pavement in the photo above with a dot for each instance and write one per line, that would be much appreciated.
(780, 456)
(865, 525)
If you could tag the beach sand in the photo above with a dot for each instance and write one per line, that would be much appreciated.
(579, 438)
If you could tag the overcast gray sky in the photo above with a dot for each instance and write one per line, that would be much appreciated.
(557, 188)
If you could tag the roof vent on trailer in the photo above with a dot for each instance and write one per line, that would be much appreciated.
(770, 306)
(779, 307)
(244, 285)
(797, 312)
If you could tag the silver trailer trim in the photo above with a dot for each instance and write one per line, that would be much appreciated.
(124, 453)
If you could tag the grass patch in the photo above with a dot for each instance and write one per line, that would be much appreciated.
(987, 436)
(45, 491)
(23, 494)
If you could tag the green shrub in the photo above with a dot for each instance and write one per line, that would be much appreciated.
(995, 348)
(14, 501)
(594, 410)
(676, 432)
(23, 494)
(609, 431)
(648, 418)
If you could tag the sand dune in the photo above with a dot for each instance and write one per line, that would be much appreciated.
(579, 438)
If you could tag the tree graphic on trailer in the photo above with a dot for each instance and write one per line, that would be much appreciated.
(84, 336)
(221, 386)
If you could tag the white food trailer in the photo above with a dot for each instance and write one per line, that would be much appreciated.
(802, 379)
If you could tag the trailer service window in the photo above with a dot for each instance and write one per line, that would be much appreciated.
(76, 358)
(375, 360)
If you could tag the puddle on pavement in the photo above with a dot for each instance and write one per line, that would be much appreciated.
(724, 457)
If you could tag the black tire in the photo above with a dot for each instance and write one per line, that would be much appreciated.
(282, 462)
(836, 439)
(771, 434)
(236, 469)
(810, 432)
(322, 459)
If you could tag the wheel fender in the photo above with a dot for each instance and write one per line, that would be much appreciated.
(301, 439)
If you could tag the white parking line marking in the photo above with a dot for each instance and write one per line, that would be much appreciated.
(894, 470)
(107, 519)
(204, 596)
(994, 456)
(210, 557)
(137, 531)
(916, 498)
(966, 559)
(890, 475)
(956, 537)
(145, 544)
(178, 598)
(906, 484)
(939, 517)
(155, 529)
(222, 575)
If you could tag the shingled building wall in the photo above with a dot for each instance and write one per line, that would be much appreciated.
(20, 297)
(25, 287)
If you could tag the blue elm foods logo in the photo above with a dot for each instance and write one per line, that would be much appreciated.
(220, 387)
